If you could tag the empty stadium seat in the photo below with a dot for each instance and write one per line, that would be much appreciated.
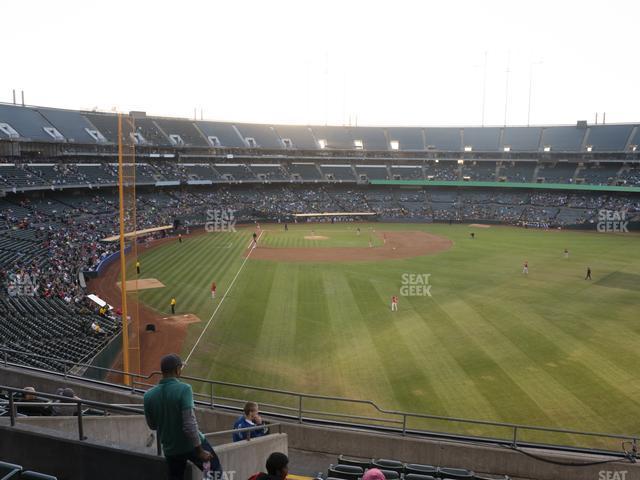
(29, 475)
(346, 472)
(384, 464)
(455, 473)
(9, 471)
(419, 469)
(362, 462)
(415, 476)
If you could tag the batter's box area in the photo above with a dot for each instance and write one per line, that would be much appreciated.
(626, 281)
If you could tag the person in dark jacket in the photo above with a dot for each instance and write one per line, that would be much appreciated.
(277, 468)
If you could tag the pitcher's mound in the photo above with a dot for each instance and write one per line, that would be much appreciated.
(184, 318)
(316, 237)
(142, 284)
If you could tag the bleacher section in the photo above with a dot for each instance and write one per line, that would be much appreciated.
(147, 128)
(307, 171)
(69, 123)
(372, 138)
(407, 172)
(262, 136)
(479, 171)
(482, 139)
(225, 134)
(609, 138)
(563, 139)
(28, 123)
(53, 328)
(443, 139)
(338, 172)
(442, 170)
(106, 124)
(335, 137)
(184, 129)
(300, 137)
(236, 171)
(372, 172)
(558, 173)
(408, 138)
(603, 174)
(522, 139)
(519, 172)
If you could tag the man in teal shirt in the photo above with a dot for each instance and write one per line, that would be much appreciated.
(169, 409)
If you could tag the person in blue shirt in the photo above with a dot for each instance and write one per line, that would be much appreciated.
(250, 418)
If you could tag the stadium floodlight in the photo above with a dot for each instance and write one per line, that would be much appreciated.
(589, 148)
(547, 148)
(461, 162)
(468, 148)
(507, 148)
(395, 145)
(322, 143)
(634, 148)
(359, 144)
(437, 161)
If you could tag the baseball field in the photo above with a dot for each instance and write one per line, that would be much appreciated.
(310, 310)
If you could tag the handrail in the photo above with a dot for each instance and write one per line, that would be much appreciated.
(300, 411)
(245, 429)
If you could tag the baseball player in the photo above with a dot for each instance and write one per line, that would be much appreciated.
(173, 305)
(394, 303)
(525, 268)
(213, 290)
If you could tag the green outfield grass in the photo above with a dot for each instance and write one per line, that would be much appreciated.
(549, 349)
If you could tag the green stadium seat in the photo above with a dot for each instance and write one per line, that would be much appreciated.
(357, 462)
(455, 473)
(419, 469)
(390, 474)
(385, 464)
(415, 476)
(29, 475)
(346, 472)
(9, 471)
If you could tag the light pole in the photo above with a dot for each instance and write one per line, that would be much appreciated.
(530, 88)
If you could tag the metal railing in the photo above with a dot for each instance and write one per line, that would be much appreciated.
(62, 401)
(390, 421)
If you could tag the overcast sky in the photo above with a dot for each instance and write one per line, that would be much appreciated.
(314, 62)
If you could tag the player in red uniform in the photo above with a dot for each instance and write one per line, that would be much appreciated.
(213, 289)
(394, 303)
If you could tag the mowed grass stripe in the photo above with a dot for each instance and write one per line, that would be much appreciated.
(546, 350)
(439, 364)
(488, 376)
(402, 369)
(554, 399)
(209, 266)
(276, 339)
(359, 362)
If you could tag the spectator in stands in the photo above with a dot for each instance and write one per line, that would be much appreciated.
(169, 409)
(250, 418)
(373, 474)
(277, 468)
(66, 410)
(42, 410)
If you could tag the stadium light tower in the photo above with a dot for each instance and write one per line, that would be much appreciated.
(531, 65)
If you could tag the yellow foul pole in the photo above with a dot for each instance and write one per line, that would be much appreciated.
(123, 262)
